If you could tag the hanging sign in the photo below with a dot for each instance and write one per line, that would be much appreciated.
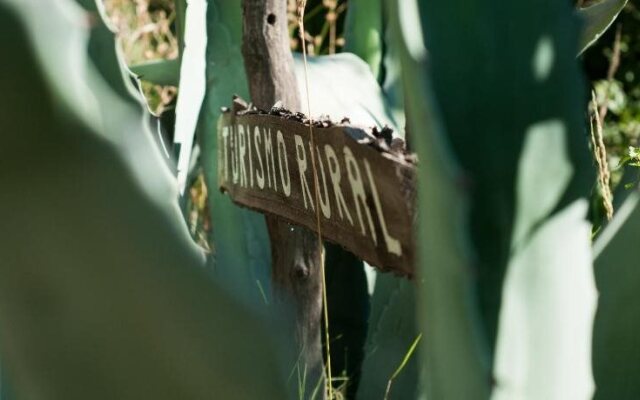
(366, 181)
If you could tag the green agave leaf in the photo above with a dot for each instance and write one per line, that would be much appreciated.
(242, 254)
(597, 19)
(101, 296)
(364, 32)
(78, 70)
(616, 345)
(451, 363)
(106, 72)
(630, 178)
(549, 280)
(159, 72)
(192, 88)
(342, 85)
(5, 390)
(392, 329)
(392, 70)
(107, 59)
(367, 35)
(506, 174)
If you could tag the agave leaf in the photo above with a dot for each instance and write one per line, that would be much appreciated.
(364, 32)
(392, 71)
(159, 72)
(546, 284)
(392, 329)
(192, 86)
(342, 85)
(597, 19)
(242, 256)
(100, 295)
(515, 202)
(630, 178)
(105, 70)
(615, 340)
(108, 60)
(367, 35)
(5, 390)
(451, 356)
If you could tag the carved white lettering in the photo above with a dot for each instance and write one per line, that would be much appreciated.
(249, 147)
(242, 144)
(225, 144)
(284, 172)
(269, 156)
(234, 156)
(301, 156)
(257, 138)
(393, 245)
(325, 204)
(334, 172)
(359, 196)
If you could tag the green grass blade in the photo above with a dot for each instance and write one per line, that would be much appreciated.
(403, 364)
(392, 329)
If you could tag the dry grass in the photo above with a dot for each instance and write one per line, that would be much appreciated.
(144, 28)
(324, 35)
(146, 32)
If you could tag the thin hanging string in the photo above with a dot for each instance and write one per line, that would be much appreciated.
(316, 183)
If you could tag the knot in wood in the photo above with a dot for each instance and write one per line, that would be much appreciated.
(300, 271)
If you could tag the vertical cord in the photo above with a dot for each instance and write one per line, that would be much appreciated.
(301, 8)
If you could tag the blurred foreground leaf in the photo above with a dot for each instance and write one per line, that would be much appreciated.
(451, 363)
(102, 296)
(504, 176)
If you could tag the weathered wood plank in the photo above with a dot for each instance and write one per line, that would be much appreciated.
(367, 199)
(296, 253)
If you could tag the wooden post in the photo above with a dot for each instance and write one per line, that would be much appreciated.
(295, 257)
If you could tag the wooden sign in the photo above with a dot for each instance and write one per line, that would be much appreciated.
(366, 187)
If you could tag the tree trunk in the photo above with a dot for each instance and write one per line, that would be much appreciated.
(295, 253)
